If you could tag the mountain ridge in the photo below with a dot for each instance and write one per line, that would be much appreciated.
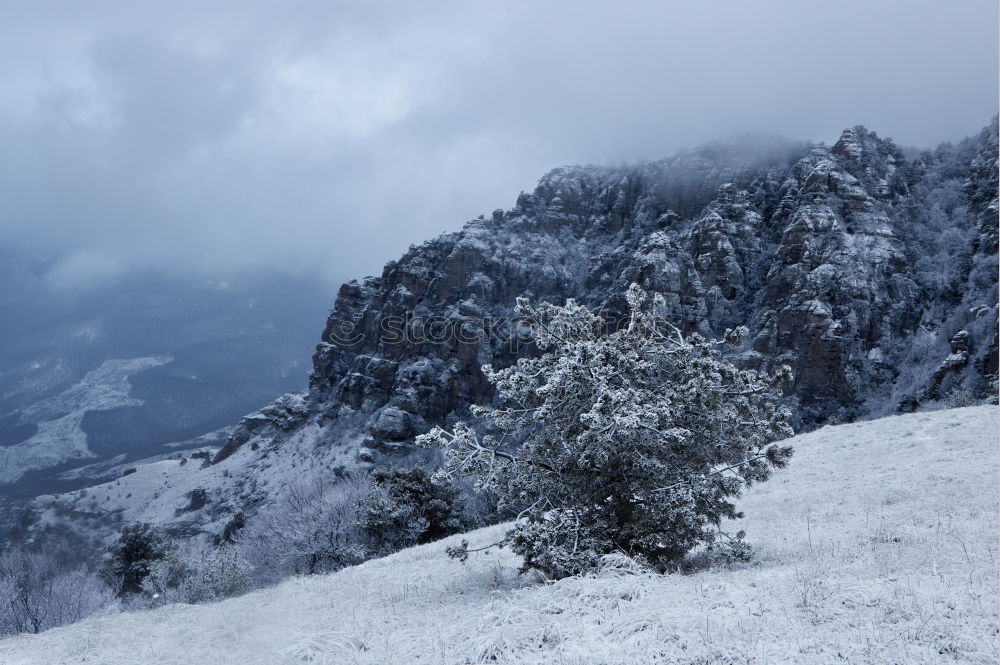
(873, 275)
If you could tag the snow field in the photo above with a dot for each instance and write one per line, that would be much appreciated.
(877, 545)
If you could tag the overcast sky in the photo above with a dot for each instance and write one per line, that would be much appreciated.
(327, 137)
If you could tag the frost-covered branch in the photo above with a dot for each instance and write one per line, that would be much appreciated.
(606, 425)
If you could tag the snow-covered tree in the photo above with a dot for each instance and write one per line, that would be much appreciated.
(410, 506)
(312, 527)
(131, 558)
(633, 441)
(199, 577)
(37, 593)
(220, 573)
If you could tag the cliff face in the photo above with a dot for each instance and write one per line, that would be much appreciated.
(871, 272)
(822, 252)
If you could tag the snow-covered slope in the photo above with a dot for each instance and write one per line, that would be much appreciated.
(159, 491)
(877, 545)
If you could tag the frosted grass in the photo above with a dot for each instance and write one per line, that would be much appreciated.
(877, 545)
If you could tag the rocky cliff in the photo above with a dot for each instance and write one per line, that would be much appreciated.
(870, 270)
(826, 254)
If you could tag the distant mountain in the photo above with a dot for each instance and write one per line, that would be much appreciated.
(871, 271)
(117, 371)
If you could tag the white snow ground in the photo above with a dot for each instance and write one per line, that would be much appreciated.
(878, 545)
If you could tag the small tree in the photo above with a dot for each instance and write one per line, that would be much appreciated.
(409, 506)
(131, 558)
(635, 441)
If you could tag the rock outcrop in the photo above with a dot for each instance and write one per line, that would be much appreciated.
(808, 246)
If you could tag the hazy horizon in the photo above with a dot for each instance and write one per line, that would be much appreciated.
(322, 140)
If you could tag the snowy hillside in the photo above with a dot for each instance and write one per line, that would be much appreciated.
(878, 545)
(161, 491)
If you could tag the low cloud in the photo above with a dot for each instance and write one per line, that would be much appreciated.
(82, 270)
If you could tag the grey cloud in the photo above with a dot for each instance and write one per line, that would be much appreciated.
(326, 137)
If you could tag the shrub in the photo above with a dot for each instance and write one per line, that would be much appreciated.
(37, 592)
(311, 528)
(213, 574)
(408, 507)
(131, 558)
